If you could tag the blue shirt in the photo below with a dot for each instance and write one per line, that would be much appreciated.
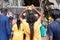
(5, 28)
(54, 30)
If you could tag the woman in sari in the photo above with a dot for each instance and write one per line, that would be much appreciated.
(17, 30)
(31, 23)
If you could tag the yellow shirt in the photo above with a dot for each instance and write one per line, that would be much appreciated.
(17, 34)
(37, 25)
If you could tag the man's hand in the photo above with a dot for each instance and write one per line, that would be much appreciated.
(10, 39)
(50, 37)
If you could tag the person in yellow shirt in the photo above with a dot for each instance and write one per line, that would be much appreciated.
(17, 31)
(31, 24)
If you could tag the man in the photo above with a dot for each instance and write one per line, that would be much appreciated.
(5, 28)
(53, 31)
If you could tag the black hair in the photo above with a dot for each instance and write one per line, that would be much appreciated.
(31, 18)
(11, 18)
(55, 13)
(18, 22)
(4, 10)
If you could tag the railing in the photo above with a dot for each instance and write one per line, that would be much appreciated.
(17, 9)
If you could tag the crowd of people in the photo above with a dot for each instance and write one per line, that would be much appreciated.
(29, 25)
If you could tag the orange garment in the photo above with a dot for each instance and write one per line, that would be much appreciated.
(37, 25)
(17, 34)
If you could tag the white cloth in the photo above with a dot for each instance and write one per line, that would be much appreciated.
(9, 14)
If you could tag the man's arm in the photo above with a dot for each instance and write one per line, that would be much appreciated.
(50, 37)
(50, 32)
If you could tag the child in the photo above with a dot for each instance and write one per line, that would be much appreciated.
(17, 30)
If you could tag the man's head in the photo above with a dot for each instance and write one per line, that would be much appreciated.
(55, 13)
(4, 11)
